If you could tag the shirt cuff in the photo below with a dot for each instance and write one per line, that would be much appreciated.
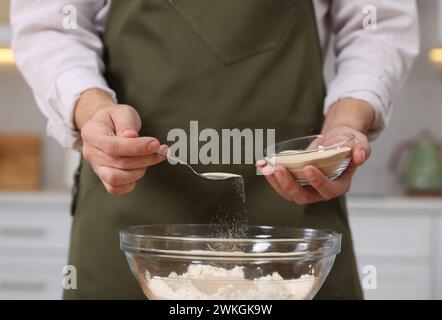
(365, 88)
(68, 88)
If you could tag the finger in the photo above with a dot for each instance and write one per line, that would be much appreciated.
(261, 163)
(267, 172)
(129, 134)
(125, 163)
(325, 187)
(130, 163)
(101, 135)
(292, 187)
(124, 147)
(164, 149)
(115, 190)
(361, 150)
(126, 120)
(117, 177)
(359, 156)
(315, 144)
(271, 179)
(119, 190)
(348, 173)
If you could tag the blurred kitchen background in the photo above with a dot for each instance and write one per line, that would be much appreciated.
(395, 204)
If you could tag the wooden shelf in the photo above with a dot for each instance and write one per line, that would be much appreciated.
(4, 11)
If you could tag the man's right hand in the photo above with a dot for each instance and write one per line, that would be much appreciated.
(111, 144)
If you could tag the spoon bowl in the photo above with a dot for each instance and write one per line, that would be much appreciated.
(213, 176)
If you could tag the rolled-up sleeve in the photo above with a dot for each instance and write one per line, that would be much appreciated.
(59, 63)
(376, 43)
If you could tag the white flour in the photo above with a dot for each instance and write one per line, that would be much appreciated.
(204, 282)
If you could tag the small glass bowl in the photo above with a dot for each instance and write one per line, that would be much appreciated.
(331, 155)
(189, 262)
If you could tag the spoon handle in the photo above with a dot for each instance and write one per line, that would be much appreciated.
(169, 157)
(204, 176)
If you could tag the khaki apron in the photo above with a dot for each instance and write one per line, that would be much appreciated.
(228, 64)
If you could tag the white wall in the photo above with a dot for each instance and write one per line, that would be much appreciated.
(418, 107)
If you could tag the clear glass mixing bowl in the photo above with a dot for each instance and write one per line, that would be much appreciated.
(186, 262)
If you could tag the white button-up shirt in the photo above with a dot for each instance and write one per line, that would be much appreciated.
(375, 50)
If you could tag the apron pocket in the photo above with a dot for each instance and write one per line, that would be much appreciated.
(237, 29)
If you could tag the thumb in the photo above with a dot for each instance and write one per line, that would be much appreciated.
(127, 122)
(361, 150)
(360, 155)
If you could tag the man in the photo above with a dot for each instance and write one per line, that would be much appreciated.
(133, 70)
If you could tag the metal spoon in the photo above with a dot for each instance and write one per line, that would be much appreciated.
(214, 176)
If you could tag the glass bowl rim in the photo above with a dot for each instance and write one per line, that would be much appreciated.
(350, 137)
(132, 243)
(328, 234)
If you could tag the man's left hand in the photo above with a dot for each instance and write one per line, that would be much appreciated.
(361, 116)
(321, 188)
